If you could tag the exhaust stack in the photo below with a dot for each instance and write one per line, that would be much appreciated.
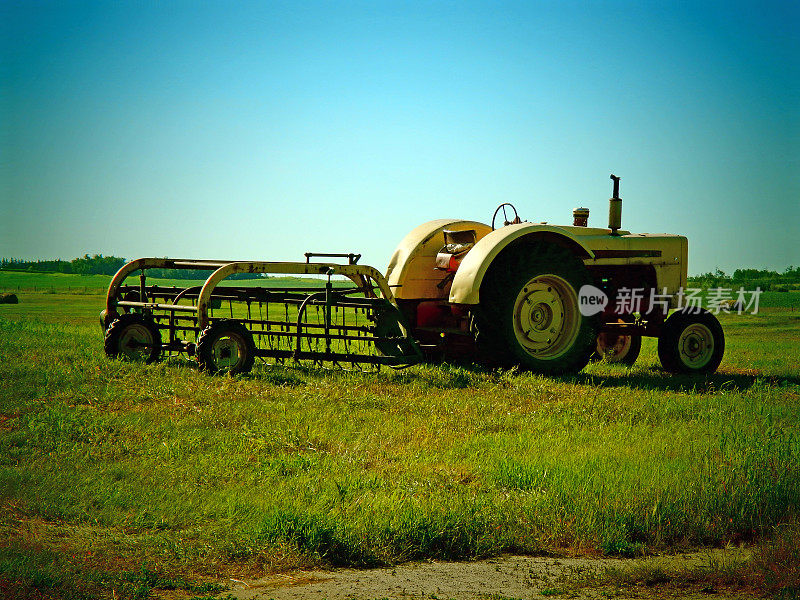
(615, 208)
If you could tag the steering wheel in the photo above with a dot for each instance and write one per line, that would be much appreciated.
(502, 207)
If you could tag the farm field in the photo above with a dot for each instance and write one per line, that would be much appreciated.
(130, 481)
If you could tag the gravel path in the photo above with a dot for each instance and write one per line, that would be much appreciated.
(503, 578)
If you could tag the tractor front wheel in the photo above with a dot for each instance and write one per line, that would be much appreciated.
(133, 337)
(225, 347)
(691, 343)
(530, 311)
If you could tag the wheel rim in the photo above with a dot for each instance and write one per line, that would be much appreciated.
(613, 347)
(696, 345)
(228, 351)
(546, 316)
(136, 342)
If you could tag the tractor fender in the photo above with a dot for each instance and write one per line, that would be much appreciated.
(411, 273)
(467, 282)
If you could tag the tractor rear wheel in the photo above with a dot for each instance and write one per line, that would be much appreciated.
(225, 346)
(691, 343)
(530, 313)
(133, 337)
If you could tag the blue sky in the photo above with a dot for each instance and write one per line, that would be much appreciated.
(261, 130)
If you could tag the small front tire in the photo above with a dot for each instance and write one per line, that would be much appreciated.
(225, 347)
(691, 343)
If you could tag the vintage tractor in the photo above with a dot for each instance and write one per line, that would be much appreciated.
(542, 297)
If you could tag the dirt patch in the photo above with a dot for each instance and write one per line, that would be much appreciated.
(502, 578)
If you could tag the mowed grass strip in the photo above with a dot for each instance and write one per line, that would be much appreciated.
(198, 474)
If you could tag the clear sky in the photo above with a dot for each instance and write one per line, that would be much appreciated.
(261, 130)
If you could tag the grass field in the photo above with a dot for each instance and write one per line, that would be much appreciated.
(152, 480)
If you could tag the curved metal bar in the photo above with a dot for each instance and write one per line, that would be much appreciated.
(153, 263)
(185, 291)
(122, 274)
(300, 312)
(355, 273)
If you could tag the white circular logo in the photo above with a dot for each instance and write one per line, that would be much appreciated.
(591, 300)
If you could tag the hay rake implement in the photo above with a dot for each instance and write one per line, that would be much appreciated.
(346, 316)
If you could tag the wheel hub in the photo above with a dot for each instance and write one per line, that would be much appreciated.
(612, 344)
(546, 316)
(135, 342)
(227, 352)
(696, 345)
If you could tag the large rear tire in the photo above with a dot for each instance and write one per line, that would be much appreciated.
(225, 346)
(691, 343)
(530, 315)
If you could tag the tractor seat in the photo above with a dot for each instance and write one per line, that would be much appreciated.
(456, 246)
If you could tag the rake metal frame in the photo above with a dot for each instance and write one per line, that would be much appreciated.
(179, 319)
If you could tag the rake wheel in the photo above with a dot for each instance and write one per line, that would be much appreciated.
(133, 337)
(225, 346)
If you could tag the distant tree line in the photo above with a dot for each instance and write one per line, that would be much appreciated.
(750, 279)
(102, 265)
(88, 265)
